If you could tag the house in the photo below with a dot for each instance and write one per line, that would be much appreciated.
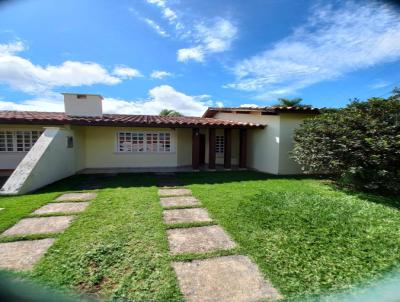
(38, 148)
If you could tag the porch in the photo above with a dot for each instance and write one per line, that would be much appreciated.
(219, 148)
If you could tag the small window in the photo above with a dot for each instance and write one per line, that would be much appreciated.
(147, 142)
(70, 141)
(81, 96)
(219, 144)
(151, 142)
(164, 142)
(18, 140)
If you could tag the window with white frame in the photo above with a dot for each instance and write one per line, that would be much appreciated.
(219, 144)
(147, 142)
(18, 140)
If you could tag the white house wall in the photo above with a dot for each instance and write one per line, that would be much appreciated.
(79, 148)
(288, 123)
(91, 105)
(10, 160)
(101, 150)
(48, 161)
(184, 147)
(262, 144)
(268, 149)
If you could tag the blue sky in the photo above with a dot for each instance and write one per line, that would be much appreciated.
(146, 55)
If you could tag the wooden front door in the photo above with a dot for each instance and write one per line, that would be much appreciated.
(202, 149)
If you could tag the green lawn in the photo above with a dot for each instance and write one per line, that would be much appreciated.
(17, 207)
(116, 249)
(307, 237)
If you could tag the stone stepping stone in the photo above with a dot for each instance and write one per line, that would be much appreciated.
(198, 240)
(39, 225)
(229, 278)
(22, 255)
(62, 207)
(186, 215)
(174, 192)
(179, 201)
(76, 197)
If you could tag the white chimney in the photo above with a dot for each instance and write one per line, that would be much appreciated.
(83, 104)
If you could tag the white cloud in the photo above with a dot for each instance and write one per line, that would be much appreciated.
(157, 28)
(205, 36)
(168, 13)
(210, 38)
(218, 36)
(194, 53)
(160, 3)
(249, 106)
(380, 84)
(11, 48)
(160, 97)
(125, 72)
(334, 41)
(51, 102)
(21, 74)
(160, 74)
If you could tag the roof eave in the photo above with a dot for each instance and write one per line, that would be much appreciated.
(212, 111)
(124, 124)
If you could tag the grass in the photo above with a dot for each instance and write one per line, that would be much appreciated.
(27, 237)
(205, 255)
(189, 224)
(17, 207)
(307, 237)
(115, 250)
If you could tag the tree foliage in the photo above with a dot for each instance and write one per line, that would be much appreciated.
(295, 102)
(169, 112)
(359, 144)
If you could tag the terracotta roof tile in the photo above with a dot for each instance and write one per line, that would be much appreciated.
(60, 118)
(211, 111)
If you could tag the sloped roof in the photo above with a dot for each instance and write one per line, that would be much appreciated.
(121, 120)
(212, 111)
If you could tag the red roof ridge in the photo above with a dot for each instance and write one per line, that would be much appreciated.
(60, 118)
(211, 111)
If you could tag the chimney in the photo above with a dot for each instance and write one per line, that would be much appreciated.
(83, 104)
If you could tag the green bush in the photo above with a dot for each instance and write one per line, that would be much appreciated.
(359, 144)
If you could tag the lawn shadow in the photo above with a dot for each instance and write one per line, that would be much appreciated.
(219, 177)
(392, 201)
(84, 182)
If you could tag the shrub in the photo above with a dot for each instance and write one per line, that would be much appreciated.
(359, 144)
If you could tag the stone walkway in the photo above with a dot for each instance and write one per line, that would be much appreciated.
(23, 254)
(226, 278)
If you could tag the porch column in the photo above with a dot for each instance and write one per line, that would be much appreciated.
(227, 148)
(195, 148)
(211, 148)
(242, 148)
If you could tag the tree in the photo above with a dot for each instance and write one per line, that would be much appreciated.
(170, 112)
(359, 144)
(396, 92)
(295, 102)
